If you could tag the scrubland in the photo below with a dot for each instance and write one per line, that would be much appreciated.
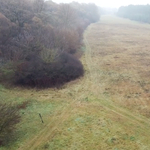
(107, 108)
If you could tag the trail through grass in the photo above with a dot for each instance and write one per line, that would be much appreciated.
(108, 108)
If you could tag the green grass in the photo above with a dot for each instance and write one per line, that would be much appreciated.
(31, 123)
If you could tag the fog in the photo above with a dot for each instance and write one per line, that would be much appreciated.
(108, 3)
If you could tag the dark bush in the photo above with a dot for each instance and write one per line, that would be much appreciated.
(6, 71)
(8, 121)
(37, 73)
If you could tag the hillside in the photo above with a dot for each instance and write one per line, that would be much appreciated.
(39, 40)
(108, 108)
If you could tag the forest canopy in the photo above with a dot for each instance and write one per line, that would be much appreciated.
(135, 12)
(38, 40)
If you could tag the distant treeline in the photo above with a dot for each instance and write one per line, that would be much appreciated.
(39, 38)
(135, 12)
(108, 11)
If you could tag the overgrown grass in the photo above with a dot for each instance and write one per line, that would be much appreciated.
(105, 109)
(31, 123)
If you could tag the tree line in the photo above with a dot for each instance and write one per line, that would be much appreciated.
(38, 40)
(135, 12)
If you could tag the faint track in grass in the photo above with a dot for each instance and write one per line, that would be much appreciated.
(50, 129)
(110, 105)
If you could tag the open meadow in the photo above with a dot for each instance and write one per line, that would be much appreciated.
(107, 109)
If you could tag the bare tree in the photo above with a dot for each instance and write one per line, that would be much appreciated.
(67, 16)
(38, 6)
(17, 11)
(8, 121)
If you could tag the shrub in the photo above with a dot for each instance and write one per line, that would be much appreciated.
(8, 121)
(37, 73)
(7, 71)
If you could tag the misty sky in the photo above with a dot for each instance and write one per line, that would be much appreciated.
(107, 3)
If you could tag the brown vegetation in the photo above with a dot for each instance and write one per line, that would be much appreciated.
(36, 34)
(8, 120)
(104, 109)
(36, 72)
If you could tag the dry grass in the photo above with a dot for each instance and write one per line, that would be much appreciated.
(123, 58)
(106, 109)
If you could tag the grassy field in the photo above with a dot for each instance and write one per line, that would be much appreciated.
(107, 109)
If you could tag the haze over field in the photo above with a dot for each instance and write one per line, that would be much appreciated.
(108, 3)
(74, 75)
